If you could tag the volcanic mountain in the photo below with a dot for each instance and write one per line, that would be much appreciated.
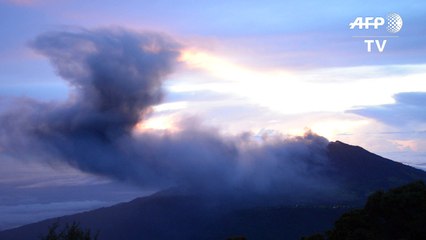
(187, 214)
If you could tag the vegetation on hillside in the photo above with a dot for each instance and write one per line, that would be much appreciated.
(69, 232)
(397, 214)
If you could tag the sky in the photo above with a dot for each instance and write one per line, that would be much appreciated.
(242, 66)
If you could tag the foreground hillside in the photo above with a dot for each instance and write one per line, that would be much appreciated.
(397, 214)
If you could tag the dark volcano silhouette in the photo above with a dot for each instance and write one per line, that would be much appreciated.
(182, 214)
(363, 172)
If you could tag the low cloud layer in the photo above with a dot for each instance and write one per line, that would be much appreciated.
(115, 78)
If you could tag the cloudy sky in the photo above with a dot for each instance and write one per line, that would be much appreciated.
(243, 66)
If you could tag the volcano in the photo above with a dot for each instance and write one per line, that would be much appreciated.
(179, 213)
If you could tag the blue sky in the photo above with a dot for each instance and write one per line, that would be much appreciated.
(254, 66)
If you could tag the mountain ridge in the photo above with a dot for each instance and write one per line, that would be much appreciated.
(179, 214)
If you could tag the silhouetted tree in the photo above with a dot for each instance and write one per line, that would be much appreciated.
(397, 214)
(70, 232)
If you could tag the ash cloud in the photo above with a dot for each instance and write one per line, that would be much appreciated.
(115, 77)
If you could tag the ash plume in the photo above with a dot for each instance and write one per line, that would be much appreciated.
(115, 78)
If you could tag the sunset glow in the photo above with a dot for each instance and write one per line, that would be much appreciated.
(101, 103)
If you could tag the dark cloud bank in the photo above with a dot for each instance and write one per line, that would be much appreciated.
(115, 77)
(408, 109)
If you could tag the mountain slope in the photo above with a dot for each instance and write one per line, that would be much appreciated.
(178, 214)
(180, 217)
(362, 172)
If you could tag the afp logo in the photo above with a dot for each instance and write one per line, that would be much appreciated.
(394, 22)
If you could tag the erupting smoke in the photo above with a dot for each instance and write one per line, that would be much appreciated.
(115, 77)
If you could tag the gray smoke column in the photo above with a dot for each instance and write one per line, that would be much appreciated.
(115, 77)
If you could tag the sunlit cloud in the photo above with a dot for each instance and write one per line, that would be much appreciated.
(406, 144)
(157, 123)
(317, 99)
(334, 127)
(170, 106)
(294, 92)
